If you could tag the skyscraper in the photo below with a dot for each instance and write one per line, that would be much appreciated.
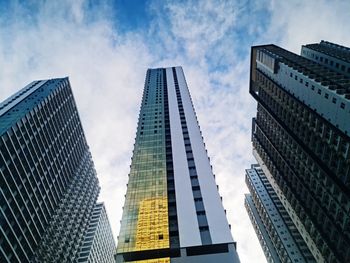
(98, 244)
(330, 55)
(48, 182)
(172, 211)
(278, 236)
(301, 139)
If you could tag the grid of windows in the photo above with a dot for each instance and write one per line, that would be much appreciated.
(197, 196)
(70, 220)
(156, 216)
(98, 244)
(275, 225)
(48, 182)
(337, 82)
(331, 55)
(172, 210)
(145, 221)
(306, 154)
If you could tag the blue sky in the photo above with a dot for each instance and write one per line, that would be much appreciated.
(105, 47)
(132, 15)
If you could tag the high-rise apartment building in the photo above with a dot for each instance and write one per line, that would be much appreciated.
(278, 236)
(330, 55)
(98, 244)
(301, 139)
(48, 181)
(172, 211)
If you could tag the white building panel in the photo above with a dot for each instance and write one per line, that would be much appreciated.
(216, 217)
(313, 95)
(186, 212)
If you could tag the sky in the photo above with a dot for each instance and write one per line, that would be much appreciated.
(105, 48)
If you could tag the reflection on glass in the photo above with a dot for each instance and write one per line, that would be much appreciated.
(157, 260)
(152, 225)
(144, 223)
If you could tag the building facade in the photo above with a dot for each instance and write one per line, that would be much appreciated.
(278, 236)
(172, 210)
(48, 182)
(301, 139)
(98, 244)
(330, 55)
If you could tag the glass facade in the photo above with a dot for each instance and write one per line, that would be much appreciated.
(145, 224)
(171, 196)
(48, 182)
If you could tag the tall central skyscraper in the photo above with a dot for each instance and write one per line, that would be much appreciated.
(173, 211)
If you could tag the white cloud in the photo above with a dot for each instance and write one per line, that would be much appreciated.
(106, 72)
(298, 22)
(210, 39)
(217, 71)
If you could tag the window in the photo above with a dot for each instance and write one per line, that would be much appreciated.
(334, 100)
(337, 65)
(193, 171)
(313, 87)
(291, 75)
(306, 84)
(319, 91)
(321, 59)
(326, 60)
(326, 95)
(296, 77)
(331, 62)
(200, 213)
(342, 105)
(342, 67)
(301, 80)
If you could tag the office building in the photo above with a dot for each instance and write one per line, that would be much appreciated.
(301, 139)
(48, 182)
(98, 244)
(278, 236)
(172, 210)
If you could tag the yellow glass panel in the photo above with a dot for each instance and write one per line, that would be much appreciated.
(144, 223)
(152, 224)
(157, 260)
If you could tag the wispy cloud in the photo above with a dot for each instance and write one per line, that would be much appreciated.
(294, 23)
(106, 66)
(106, 70)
